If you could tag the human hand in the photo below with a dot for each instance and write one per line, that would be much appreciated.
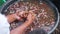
(17, 16)
(22, 14)
(31, 17)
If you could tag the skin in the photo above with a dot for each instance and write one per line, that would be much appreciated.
(11, 18)
(21, 29)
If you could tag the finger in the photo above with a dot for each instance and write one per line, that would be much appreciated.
(30, 12)
(20, 13)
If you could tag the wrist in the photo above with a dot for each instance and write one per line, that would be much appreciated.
(29, 21)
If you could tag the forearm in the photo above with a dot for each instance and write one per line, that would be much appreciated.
(21, 29)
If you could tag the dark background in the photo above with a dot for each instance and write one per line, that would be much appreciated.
(57, 3)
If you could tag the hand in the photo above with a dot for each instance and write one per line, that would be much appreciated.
(21, 29)
(13, 17)
(23, 14)
(10, 18)
(31, 17)
(16, 16)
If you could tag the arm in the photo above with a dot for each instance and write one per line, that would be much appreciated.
(21, 29)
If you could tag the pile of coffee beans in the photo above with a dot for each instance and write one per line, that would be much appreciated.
(45, 17)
